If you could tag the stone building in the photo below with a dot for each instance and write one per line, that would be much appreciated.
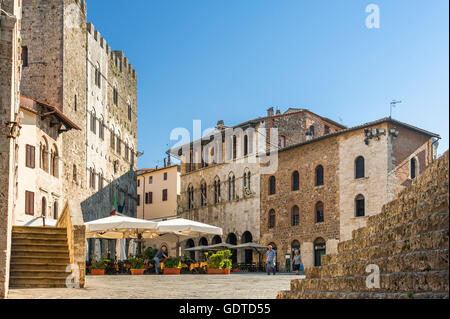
(158, 196)
(220, 174)
(70, 66)
(10, 70)
(39, 183)
(328, 186)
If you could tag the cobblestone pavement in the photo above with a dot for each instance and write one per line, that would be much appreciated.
(234, 286)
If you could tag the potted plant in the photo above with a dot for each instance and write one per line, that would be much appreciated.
(172, 266)
(235, 268)
(98, 267)
(219, 263)
(137, 265)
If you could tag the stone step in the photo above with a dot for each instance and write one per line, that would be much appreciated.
(433, 240)
(31, 282)
(430, 281)
(39, 274)
(39, 236)
(39, 230)
(418, 261)
(365, 239)
(45, 259)
(42, 240)
(25, 265)
(40, 246)
(359, 295)
(39, 253)
(434, 198)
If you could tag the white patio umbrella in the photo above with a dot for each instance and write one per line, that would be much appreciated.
(120, 227)
(181, 227)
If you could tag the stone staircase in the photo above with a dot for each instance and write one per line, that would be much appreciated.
(408, 241)
(39, 257)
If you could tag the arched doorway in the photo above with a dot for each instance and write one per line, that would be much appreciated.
(190, 244)
(247, 253)
(295, 246)
(216, 240)
(319, 250)
(203, 242)
(232, 240)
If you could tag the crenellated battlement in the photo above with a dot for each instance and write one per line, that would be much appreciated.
(117, 56)
(122, 64)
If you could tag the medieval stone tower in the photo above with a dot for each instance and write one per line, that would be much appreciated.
(54, 38)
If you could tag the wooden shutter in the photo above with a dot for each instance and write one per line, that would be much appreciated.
(29, 203)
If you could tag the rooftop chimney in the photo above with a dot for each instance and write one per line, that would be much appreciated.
(165, 163)
(168, 160)
(270, 112)
(278, 112)
(220, 124)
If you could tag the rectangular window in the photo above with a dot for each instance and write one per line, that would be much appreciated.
(93, 123)
(118, 145)
(139, 182)
(129, 112)
(150, 180)
(29, 203)
(30, 156)
(101, 130)
(138, 200)
(24, 56)
(150, 198)
(115, 96)
(327, 129)
(164, 195)
(165, 176)
(112, 140)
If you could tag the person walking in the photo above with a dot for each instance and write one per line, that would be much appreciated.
(160, 256)
(270, 259)
(297, 262)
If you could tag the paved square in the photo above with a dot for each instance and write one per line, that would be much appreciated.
(234, 286)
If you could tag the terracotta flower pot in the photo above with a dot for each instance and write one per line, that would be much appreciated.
(215, 271)
(97, 272)
(235, 270)
(172, 271)
(136, 272)
(226, 271)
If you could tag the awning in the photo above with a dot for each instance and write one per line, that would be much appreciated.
(119, 227)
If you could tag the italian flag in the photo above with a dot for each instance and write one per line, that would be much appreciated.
(114, 208)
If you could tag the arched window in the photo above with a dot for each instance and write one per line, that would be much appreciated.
(272, 218)
(245, 145)
(359, 206)
(413, 167)
(43, 156)
(203, 194)
(319, 175)
(319, 212)
(100, 181)
(190, 197)
(234, 146)
(295, 220)
(359, 167)
(246, 183)
(216, 190)
(272, 185)
(92, 178)
(319, 251)
(295, 181)
(312, 130)
(203, 242)
(54, 161)
(93, 122)
(231, 187)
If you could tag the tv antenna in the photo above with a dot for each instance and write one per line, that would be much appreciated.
(394, 104)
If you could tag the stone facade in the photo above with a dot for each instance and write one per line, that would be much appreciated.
(386, 147)
(238, 214)
(402, 253)
(71, 67)
(10, 69)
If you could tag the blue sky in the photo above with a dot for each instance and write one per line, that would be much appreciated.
(231, 60)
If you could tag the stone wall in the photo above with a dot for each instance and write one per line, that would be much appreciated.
(303, 159)
(10, 67)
